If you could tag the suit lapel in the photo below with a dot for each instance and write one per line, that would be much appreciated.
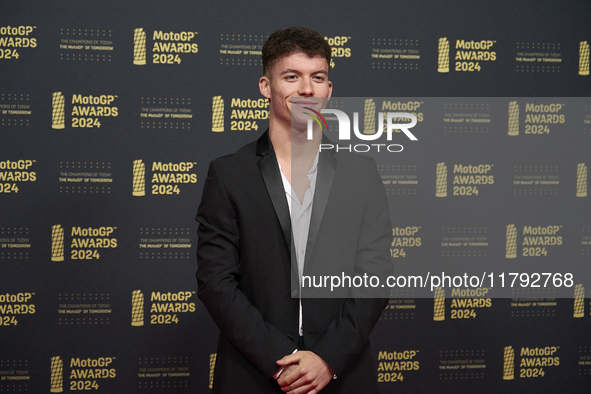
(271, 176)
(270, 172)
(327, 164)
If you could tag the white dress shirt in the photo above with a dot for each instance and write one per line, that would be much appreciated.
(301, 213)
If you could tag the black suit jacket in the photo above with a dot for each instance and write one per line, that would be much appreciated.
(244, 267)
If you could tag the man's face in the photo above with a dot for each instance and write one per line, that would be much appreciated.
(296, 75)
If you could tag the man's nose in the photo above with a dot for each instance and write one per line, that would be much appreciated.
(306, 88)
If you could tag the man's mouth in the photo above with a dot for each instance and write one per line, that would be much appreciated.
(305, 102)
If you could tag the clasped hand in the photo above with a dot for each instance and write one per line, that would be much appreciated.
(304, 373)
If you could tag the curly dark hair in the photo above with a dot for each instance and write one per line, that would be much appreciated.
(284, 42)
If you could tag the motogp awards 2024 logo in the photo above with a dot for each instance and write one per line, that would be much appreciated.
(314, 109)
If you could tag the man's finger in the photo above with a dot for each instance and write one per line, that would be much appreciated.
(290, 377)
(290, 359)
(300, 385)
(308, 389)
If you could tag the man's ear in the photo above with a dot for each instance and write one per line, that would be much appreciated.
(265, 87)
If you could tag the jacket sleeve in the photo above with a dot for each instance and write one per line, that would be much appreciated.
(218, 277)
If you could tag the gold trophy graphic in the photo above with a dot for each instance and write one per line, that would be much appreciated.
(137, 308)
(583, 58)
(217, 116)
(579, 301)
(58, 116)
(581, 180)
(369, 117)
(57, 375)
(509, 363)
(511, 242)
(212, 358)
(443, 59)
(139, 46)
(441, 180)
(139, 178)
(439, 305)
(513, 118)
(57, 243)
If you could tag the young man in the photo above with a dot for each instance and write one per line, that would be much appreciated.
(270, 339)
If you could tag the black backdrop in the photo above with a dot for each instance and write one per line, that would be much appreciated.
(103, 158)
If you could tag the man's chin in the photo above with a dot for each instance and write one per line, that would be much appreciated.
(299, 128)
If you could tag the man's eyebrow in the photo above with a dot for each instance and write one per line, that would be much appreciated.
(320, 72)
(291, 70)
